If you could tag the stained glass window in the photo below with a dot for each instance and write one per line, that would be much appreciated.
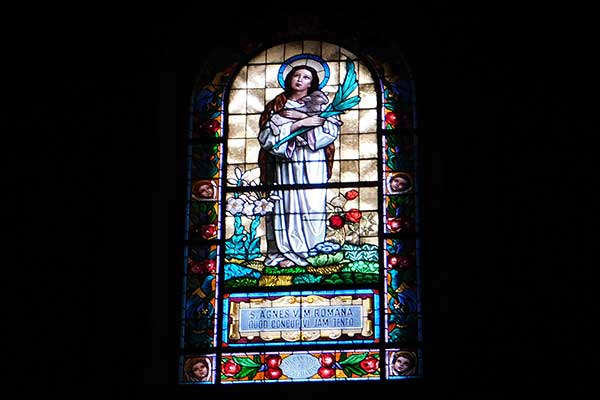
(301, 258)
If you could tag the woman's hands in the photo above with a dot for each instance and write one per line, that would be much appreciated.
(302, 119)
(315, 120)
(308, 122)
(293, 114)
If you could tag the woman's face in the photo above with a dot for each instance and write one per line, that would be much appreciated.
(301, 80)
(200, 370)
(401, 364)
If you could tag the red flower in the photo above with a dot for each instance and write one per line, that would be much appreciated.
(201, 267)
(336, 221)
(208, 231)
(391, 118)
(230, 368)
(392, 261)
(353, 215)
(209, 127)
(398, 224)
(211, 266)
(351, 195)
(213, 126)
(393, 224)
(369, 364)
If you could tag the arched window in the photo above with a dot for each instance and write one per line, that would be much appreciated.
(301, 258)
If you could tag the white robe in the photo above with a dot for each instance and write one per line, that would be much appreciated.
(299, 219)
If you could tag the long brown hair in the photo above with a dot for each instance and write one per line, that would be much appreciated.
(279, 101)
(265, 159)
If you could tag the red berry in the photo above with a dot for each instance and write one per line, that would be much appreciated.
(273, 373)
(273, 361)
(326, 372)
(327, 360)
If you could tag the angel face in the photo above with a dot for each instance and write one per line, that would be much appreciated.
(200, 370)
(206, 191)
(399, 183)
(203, 190)
(402, 364)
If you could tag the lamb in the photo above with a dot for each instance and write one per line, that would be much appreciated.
(312, 106)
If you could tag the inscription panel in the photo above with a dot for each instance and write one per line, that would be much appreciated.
(349, 316)
(296, 318)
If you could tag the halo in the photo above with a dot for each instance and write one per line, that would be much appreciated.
(311, 60)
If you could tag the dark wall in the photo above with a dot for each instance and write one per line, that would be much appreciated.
(122, 77)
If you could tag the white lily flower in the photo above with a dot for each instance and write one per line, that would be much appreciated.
(240, 177)
(235, 205)
(263, 207)
(248, 209)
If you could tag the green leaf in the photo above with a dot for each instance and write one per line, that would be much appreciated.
(350, 82)
(253, 374)
(354, 359)
(246, 362)
(348, 103)
(253, 246)
(353, 369)
(212, 216)
(255, 223)
(245, 371)
(237, 224)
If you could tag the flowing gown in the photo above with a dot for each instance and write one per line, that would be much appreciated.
(299, 219)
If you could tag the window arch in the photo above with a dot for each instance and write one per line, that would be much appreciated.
(302, 227)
